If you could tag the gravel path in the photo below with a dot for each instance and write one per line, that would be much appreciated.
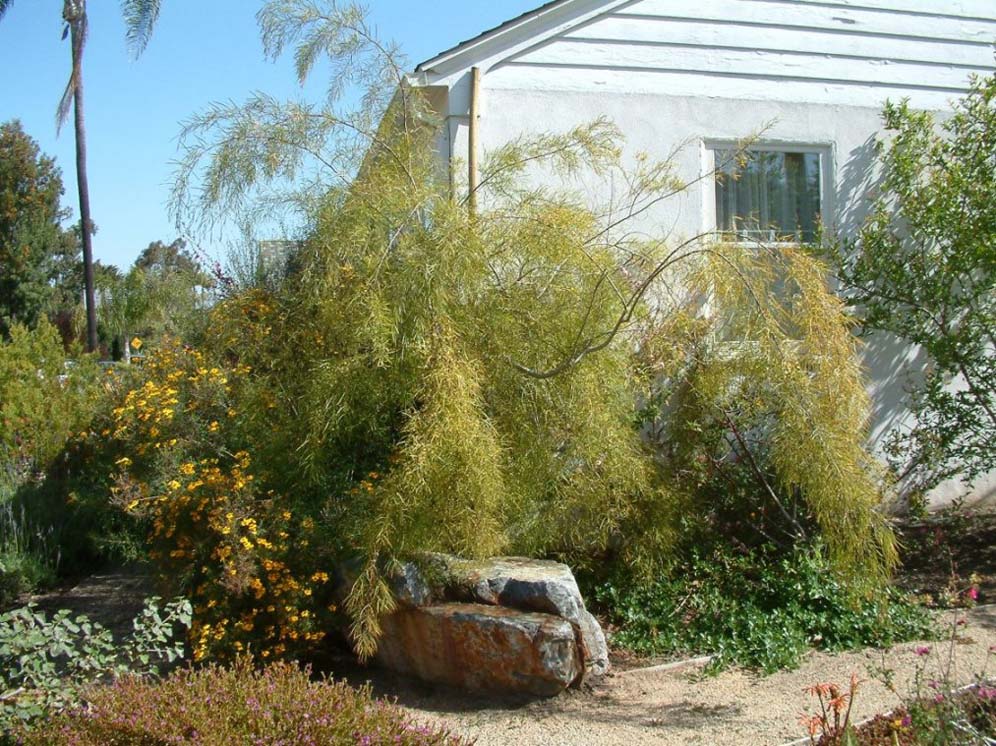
(113, 598)
(680, 706)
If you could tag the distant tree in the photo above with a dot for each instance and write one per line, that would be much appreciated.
(140, 18)
(161, 294)
(122, 305)
(173, 258)
(923, 268)
(67, 279)
(175, 287)
(31, 237)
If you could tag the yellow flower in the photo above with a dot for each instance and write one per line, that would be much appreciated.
(187, 469)
(213, 427)
(123, 462)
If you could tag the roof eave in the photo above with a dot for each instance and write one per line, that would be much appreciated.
(509, 28)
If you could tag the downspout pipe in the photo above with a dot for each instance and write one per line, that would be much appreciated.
(473, 173)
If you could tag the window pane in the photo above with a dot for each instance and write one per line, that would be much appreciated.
(773, 197)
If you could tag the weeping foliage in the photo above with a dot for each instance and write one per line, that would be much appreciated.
(389, 386)
(427, 379)
(766, 386)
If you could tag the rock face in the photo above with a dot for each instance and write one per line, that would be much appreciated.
(508, 624)
(482, 647)
(531, 585)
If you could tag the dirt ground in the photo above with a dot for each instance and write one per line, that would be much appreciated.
(947, 551)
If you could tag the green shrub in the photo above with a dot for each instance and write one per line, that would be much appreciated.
(760, 609)
(219, 707)
(45, 663)
(47, 399)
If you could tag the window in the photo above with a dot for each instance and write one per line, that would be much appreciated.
(776, 195)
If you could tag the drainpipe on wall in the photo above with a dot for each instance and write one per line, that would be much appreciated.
(473, 177)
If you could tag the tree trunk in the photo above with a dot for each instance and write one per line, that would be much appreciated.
(86, 224)
(126, 349)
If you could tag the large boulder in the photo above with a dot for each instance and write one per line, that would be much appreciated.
(483, 647)
(507, 623)
(529, 585)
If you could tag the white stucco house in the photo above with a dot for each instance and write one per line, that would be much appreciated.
(709, 72)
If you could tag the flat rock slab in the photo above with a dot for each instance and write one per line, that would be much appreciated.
(531, 585)
(483, 648)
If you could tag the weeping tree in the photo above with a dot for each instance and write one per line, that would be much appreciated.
(430, 378)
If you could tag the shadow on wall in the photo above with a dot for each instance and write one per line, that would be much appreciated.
(890, 364)
(858, 184)
(892, 367)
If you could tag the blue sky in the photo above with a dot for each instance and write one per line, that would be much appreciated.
(202, 51)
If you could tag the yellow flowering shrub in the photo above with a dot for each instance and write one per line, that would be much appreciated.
(237, 550)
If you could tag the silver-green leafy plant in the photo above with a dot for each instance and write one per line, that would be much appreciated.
(46, 663)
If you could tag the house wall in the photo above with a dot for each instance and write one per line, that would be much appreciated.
(677, 77)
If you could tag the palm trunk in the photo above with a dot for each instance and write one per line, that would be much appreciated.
(86, 225)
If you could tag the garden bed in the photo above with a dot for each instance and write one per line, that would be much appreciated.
(644, 703)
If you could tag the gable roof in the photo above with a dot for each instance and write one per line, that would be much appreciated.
(829, 51)
(500, 28)
(530, 28)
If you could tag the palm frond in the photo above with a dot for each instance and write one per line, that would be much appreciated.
(5, 6)
(66, 102)
(80, 29)
(140, 18)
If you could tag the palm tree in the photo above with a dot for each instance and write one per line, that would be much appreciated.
(140, 18)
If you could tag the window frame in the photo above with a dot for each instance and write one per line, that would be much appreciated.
(826, 152)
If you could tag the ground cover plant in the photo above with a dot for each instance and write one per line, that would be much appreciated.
(278, 704)
(760, 608)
